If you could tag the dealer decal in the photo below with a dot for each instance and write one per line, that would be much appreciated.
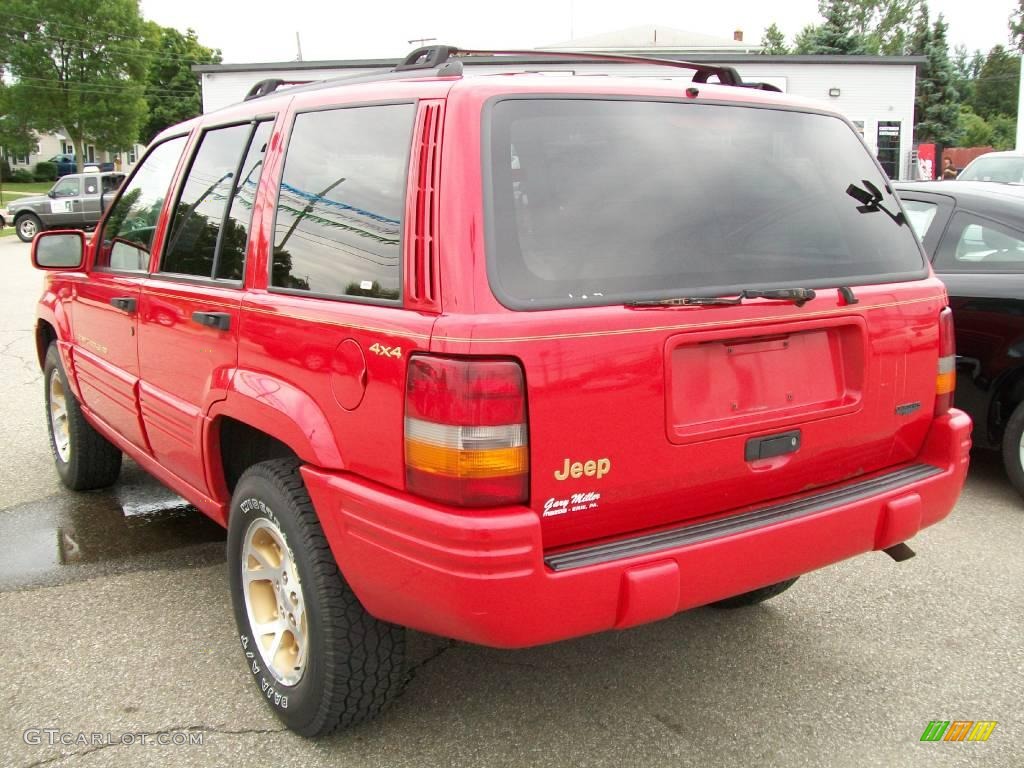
(577, 502)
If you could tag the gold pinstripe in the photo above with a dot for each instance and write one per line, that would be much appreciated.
(845, 310)
(688, 326)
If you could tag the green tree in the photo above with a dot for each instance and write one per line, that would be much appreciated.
(837, 35)
(884, 25)
(15, 136)
(1004, 131)
(85, 76)
(937, 106)
(806, 39)
(172, 89)
(973, 130)
(1017, 27)
(773, 42)
(997, 88)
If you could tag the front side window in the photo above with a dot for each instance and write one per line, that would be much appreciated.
(67, 188)
(198, 237)
(129, 229)
(974, 244)
(341, 204)
(600, 202)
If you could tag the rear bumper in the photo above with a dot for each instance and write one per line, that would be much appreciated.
(481, 576)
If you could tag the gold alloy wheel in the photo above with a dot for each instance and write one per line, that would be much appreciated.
(274, 601)
(59, 417)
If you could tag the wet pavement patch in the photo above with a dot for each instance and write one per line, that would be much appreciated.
(136, 525)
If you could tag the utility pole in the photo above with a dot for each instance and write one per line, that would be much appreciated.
(1020, 111)
(298, 46)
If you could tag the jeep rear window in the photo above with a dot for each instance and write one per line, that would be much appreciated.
(595, 201)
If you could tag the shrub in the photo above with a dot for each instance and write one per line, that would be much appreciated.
(45, 171)
(5, 169)
(22, 176)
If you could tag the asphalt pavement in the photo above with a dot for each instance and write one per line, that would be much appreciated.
(116, 621)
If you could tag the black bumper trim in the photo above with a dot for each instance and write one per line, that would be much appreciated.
(727, 526)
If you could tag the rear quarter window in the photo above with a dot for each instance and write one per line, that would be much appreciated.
(338, 229)
(595, 201)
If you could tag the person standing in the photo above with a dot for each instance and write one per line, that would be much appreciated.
(949, 173)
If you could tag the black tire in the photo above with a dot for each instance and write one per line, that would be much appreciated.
(90, 461)
(27, 226)
(1012, 448)
(354, 664)
(756, 596)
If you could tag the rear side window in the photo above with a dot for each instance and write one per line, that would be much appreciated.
(974, 244)
(603, 201)
(210, 228)
(342, 200)
(130, 227)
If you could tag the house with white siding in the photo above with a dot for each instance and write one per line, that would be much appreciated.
(875, 92)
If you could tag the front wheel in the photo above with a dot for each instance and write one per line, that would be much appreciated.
(317, 657)
(1013, 449)
(27, 227)
(85, 459)
(757, 595)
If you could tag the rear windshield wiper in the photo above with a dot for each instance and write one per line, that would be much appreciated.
(798, 296)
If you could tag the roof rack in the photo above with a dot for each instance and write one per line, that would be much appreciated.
(263, 87)
(447, 61)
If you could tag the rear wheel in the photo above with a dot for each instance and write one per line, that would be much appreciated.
(756, 596)
(317, 657)
(27, 227)
(1013, 449)
(85, 459)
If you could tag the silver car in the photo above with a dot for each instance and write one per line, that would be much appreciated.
(76, 201)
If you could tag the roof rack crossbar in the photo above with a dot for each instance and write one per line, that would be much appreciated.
(263, 87)
(725, 75)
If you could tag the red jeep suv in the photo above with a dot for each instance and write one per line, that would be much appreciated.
(504, 357)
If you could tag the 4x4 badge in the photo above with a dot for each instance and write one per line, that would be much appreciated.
(380, 349)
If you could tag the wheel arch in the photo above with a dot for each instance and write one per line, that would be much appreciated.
(1008, 393)
(243, 430)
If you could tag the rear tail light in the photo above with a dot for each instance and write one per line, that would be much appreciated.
(465, 431)
(945, 379)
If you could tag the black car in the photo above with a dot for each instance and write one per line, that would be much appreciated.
(974, 234)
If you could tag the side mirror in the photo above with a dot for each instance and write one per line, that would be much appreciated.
(51, 193)
(58, 250)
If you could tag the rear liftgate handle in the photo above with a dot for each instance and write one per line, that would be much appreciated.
(219, 320)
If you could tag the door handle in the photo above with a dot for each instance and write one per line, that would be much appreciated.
(124, 303)
(219, 320)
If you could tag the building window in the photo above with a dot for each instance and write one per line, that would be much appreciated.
(131, 155)
(67, 148)
(90, 153)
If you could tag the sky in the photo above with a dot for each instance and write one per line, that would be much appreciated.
(264, 30)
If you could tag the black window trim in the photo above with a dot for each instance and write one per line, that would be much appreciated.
(179, 277)
(487, 176)
(397, 302)
(125, 183)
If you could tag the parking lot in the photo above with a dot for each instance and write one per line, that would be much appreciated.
(117, 621)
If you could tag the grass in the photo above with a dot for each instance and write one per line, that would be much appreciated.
(13, 190)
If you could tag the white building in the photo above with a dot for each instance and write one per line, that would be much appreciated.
(875, 92)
